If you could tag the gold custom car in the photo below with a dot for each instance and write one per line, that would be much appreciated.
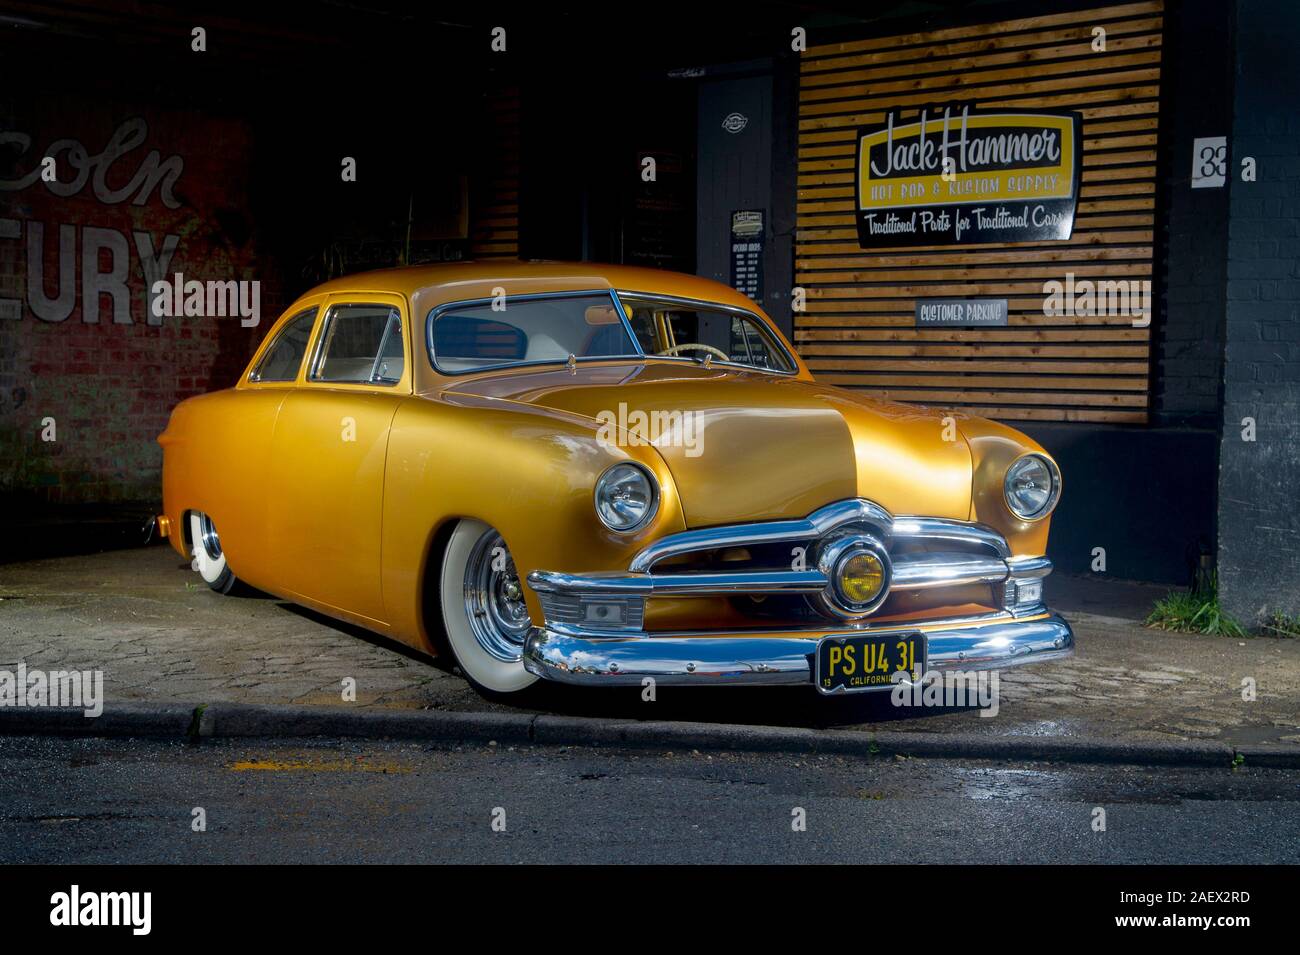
(601, 474)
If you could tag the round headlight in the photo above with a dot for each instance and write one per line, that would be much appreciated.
(626, 497)
(1032, 487)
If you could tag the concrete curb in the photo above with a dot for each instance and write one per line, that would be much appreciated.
(118, 719)
(245, 721)
(227, 720)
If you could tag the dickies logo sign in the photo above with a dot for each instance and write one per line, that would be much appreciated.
(961, 177)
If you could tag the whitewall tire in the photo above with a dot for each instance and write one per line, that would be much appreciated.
(483, 610)
(209, 560)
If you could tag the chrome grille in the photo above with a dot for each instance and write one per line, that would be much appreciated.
(928, 555)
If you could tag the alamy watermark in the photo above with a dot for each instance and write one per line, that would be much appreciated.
(659, 428)
(969, 689)
(211, 299)
(130, 909)
(75, 689)
(1106, 297)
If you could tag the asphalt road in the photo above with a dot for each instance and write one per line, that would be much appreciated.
(109, 801)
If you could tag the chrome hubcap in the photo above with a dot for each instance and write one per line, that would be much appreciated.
(494, 599)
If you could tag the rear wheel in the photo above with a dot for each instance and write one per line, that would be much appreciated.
(209, 559)
(483, 609)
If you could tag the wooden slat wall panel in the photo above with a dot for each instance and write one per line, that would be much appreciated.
(494, 187)
(858, 330)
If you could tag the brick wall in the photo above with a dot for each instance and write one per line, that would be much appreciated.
(1259, 481)
(95, 364)
(1189, 334)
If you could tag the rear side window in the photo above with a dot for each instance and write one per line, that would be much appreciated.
(283, 359)
(360, 344)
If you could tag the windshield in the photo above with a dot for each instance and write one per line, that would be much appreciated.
(541, 329)
(516, 331)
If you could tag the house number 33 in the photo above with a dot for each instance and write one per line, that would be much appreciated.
(1209, 162)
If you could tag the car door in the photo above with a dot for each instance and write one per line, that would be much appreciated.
(241, 438)
(329, 450)
(223, 472)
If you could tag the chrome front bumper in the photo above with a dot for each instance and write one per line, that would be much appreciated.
(594, 623)
(704, 659)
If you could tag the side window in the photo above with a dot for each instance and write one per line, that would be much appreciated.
(283, 359)
(391, 359)
(642, 321)
(360, 344)
(747, 340)
(665, 329)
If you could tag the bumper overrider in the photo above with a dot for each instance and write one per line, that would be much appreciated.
(594, 623)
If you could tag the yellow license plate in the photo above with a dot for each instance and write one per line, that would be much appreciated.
(855, 663)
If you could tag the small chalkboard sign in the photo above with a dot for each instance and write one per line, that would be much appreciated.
(747, 233)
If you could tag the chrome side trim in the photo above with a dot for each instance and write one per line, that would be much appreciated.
(743, 660)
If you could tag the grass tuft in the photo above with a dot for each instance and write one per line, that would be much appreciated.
(1194, 611)
(1283, 624)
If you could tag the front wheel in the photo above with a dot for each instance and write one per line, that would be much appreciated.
(483, 609)
(209, 559)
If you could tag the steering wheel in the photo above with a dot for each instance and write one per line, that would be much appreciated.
(698, 347)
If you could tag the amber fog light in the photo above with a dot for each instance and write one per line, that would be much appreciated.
(857, 571)
(861, 577)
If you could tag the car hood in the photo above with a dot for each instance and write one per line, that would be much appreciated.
(746, 446)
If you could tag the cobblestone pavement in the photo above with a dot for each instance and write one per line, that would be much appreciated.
(159, 634)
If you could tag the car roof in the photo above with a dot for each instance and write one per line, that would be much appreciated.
(453, 281)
